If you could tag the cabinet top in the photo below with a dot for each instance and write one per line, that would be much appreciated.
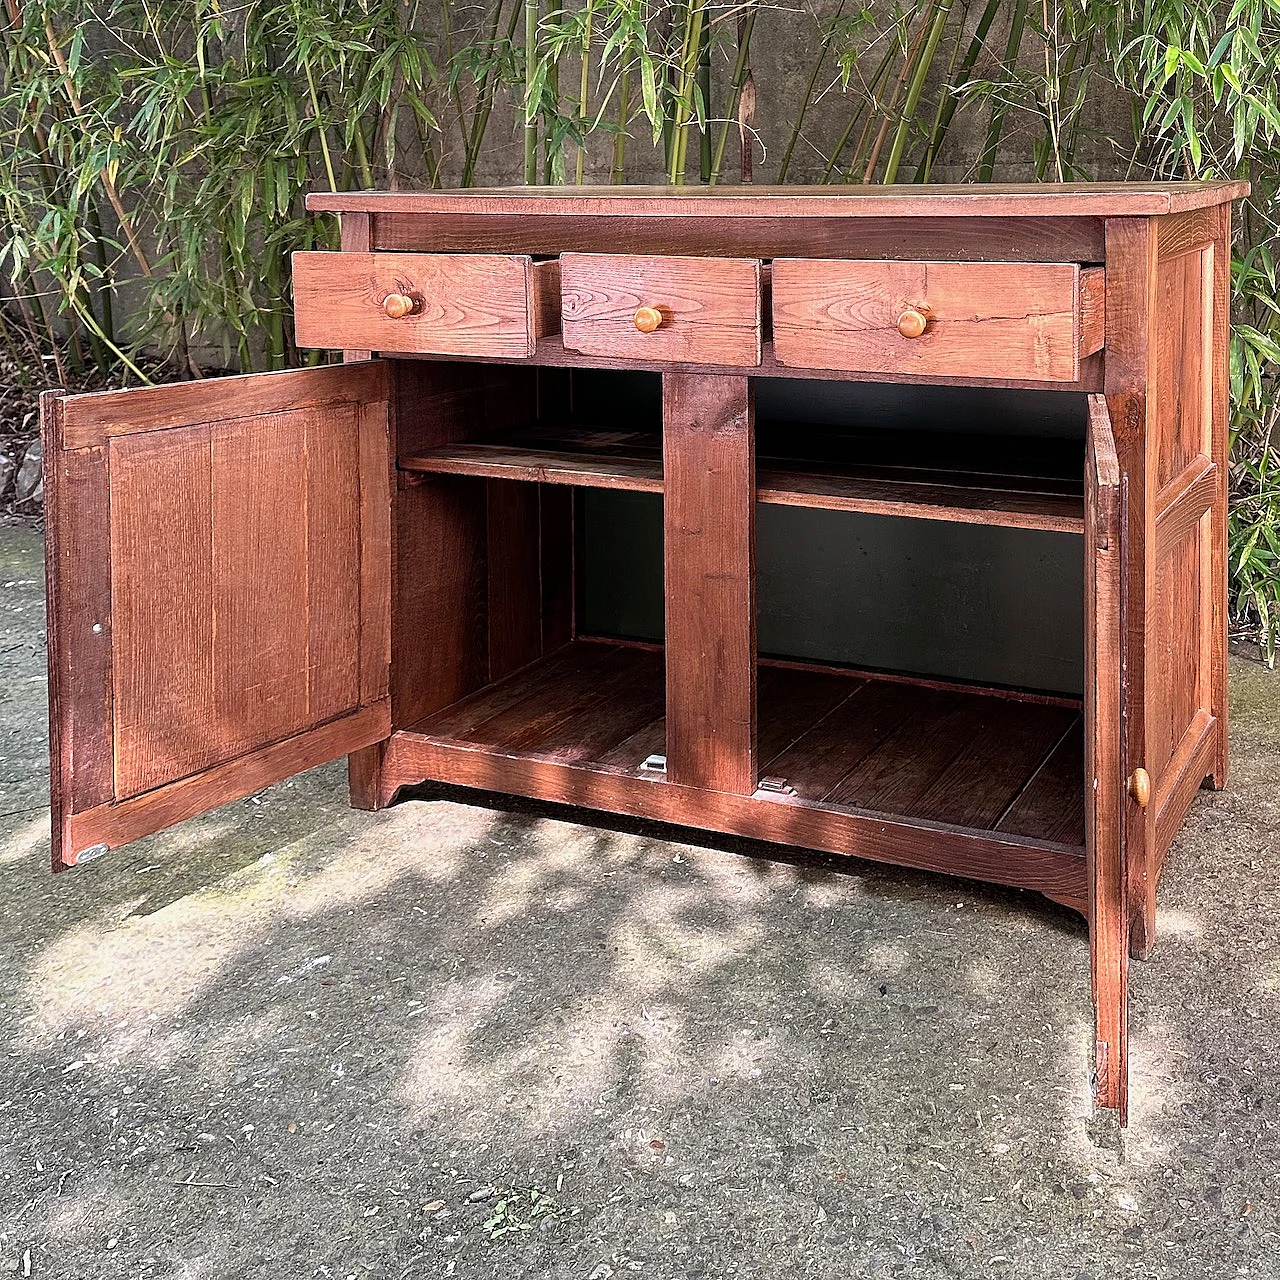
(1069, 199)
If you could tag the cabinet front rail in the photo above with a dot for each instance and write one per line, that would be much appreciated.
(1057, 871)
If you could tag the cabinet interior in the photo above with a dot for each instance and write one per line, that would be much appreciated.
(919, 598)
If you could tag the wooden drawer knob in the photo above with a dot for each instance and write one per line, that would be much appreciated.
(913, 321)
(1140, 787)
(649, 319)
(399, 305)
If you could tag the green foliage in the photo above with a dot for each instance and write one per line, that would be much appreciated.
(154, 158)
(516, 1212)
(1206, 77)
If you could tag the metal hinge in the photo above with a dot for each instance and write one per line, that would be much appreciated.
(655, 764)
(93, 851)
(780, 785)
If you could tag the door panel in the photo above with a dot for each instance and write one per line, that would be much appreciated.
(1183, 475)
(219, 589)
(1104, 835)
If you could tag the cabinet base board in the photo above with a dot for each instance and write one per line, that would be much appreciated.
(1055, 870)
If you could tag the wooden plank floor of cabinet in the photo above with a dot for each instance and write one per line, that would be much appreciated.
(941, 758)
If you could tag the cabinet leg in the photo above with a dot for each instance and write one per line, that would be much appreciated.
(1221, 437)
(1142, 934)
(1109, 953)
(364, 777)
(1216, 779)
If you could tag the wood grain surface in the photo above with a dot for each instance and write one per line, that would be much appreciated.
(960, 239)
(237, 574)
(711, 307)
(1056, 871)
(1017, 320)
(1000, 200)
(1105, 845)
(709, 526)
(609, 459)
(495, 305)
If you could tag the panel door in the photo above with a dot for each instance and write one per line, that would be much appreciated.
(1104, 826)
(218, 563)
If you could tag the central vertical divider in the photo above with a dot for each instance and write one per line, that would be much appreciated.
(709, 518)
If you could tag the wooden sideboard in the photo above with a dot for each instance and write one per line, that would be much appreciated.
(390, 558)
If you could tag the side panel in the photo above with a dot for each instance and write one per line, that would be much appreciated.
(482, 569)
(1165, 375)
(218, 592)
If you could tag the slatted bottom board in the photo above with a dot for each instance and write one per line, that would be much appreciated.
(979, 759)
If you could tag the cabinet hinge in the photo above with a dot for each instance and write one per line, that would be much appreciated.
(88, 855)
(778, 785)
(1101, 1061)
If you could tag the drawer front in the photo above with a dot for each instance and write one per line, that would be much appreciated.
(685, 310)
(960, 319)
(439, 303)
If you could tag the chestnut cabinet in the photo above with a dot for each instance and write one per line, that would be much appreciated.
(399, 558)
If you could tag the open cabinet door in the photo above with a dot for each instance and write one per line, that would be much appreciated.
(219, 590)
(1104, 835)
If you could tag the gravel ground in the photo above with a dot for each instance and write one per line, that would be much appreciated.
(293, 1040)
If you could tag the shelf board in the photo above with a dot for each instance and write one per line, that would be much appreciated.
(579, 456)
(1029, 487)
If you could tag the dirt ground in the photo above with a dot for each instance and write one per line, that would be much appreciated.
(293, 1040)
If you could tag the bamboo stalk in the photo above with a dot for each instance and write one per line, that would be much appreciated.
(948, 103)
(688, 58)
(584, 85)
(704, 91)
(550, 145)
(740, 73)
(105, 178)
(908, 61)
(624, 113)
(455, 91)
(485, 95)
(666, 33)
(862, 109)
(996, 125)
(530, 113)
(941, 11)
(805, 102)
(320, 126)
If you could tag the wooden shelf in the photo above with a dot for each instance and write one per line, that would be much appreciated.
(1014, 481)
(989, 480)
(584, 457)
(847, 742)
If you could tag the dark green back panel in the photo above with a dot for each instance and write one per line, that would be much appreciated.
(967, 602)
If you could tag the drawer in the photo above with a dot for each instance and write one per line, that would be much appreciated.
(465, 304)
(1032, 321)
(685, 310)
